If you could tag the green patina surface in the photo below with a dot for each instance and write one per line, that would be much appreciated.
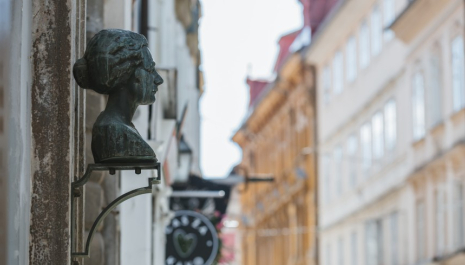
(119, 63)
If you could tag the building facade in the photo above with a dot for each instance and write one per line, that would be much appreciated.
(42, 128)
(171, 28)
(278, 137)
(391, 131)
(46, 122)
(278, 218)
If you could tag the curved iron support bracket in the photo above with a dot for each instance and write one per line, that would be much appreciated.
(75, 192)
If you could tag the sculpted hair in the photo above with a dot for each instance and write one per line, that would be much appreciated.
(110, 59)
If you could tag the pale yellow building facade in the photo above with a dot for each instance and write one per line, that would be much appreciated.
(391, 132)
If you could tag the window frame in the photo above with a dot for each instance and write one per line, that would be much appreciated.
(458, 77)
(420, 241)
(338, 73)
(327, 82)
(352, 161)
(377, 127)
(434, 95)
(418, 106)
(366, 146)
(338, 158)
(364, 45)
(351, 59)
(376, 29)
(389, 15)
(390, 125)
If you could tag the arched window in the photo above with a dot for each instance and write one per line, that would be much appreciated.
(458, 78)
(435, 87)
(376, 31)
(390, 124)
(351, 59)
(388, 17)
(338, 73)
(364, 45)
(365, 142)
(418, 105)
(326, 85)
(378, 135)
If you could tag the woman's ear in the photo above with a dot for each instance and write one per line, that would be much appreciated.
(135, 77)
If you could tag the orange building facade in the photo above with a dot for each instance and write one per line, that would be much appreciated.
(277, 138)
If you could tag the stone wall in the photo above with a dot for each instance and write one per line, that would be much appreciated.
(102, 187)
(100, 191)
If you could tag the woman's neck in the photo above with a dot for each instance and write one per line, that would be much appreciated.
(121, 105)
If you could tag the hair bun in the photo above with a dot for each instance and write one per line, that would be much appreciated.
(80, 73)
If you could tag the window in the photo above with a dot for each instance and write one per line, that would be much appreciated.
(354, 248)
(326, 85)
(421, 230)
(393, 219)
(352, 146)
(327, 178)
(440, 221)
(252, 161)
(458, 211)
(338, 73)
(376, 31)
(338, 169)
(351, 62)
(328, 255)
(390, 125)
(341, 251)
(435, 96)
(365, 141)
(374, 242)
(364, 45)
(388, 17)
(378, 135)
(458, 78)
(418, 103)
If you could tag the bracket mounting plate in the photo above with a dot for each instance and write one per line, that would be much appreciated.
(75, 192)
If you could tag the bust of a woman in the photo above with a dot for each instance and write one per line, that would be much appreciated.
(118, 63)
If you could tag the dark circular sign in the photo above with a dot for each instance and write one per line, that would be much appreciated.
(191, 239)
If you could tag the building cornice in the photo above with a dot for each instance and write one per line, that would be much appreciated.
(416, 17)
(340, 20)
(271, 99)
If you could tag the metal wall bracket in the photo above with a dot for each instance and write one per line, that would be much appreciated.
(75, 192)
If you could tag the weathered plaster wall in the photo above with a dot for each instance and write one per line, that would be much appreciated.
(4, 36)
(17, 135)
(56, 137)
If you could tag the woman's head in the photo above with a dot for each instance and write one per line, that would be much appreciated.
(115, 58)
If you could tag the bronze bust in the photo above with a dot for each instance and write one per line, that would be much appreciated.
(118, 63)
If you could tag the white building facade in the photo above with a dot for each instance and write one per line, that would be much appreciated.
(173, 43)
(391, 131)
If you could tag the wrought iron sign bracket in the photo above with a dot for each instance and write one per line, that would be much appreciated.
(76, 192)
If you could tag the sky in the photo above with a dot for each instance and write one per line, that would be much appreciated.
(238, 38)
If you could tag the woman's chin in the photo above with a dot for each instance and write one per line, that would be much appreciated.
(148, 99)
(151, 100)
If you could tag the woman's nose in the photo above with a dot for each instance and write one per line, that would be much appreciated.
(158, 80)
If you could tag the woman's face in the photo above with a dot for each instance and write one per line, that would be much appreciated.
(146, 80)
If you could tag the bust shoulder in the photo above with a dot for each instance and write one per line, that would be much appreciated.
(113, 142)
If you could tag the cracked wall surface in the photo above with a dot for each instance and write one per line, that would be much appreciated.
(55, 127)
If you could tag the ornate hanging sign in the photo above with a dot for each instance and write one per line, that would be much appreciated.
(191, 239)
